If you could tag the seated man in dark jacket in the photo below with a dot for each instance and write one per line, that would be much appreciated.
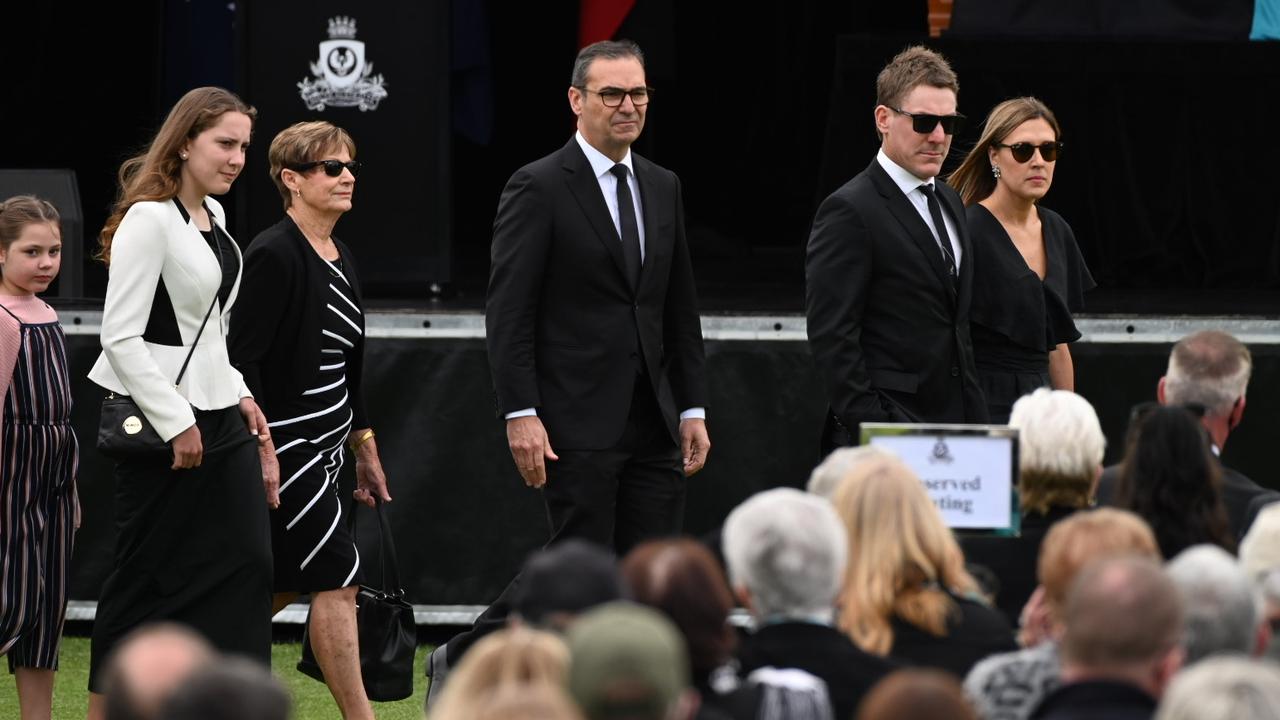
(786, 553)
(1208, 373)
(1122, 644)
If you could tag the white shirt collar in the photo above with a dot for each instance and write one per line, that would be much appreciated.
(600, 164)
(899, 175)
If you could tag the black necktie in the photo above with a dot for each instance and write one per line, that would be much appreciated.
(944, 240)
(627, 221)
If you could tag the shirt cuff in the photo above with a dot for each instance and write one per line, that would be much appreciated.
(527, 412)
(696, 413)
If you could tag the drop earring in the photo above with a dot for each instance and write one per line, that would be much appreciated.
(995, 171)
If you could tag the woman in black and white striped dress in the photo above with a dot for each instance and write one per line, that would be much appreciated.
(298, 338)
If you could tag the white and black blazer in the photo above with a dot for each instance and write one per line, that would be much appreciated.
(162, 278)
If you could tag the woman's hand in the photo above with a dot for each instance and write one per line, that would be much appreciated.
(188, 449)
(270, 473)
(371, 481)
(255, 420)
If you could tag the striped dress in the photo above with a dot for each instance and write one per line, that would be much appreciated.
(38, 459)
(313, 549)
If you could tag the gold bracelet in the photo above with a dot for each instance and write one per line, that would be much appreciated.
(368, 434)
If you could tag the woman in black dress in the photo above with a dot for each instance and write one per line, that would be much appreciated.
(1029, 276)
(298, 338)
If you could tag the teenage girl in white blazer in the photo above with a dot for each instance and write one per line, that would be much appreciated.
(194, 539)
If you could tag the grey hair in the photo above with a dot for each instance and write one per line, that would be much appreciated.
(1209, 368)
(1223, 608)
(1224, 688)
(789, 549)
(825, 478)
(1058, 434)
(607, 49)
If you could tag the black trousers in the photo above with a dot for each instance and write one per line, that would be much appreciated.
(193, 547)
(618, 498)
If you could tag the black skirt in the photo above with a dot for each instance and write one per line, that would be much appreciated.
(192, 546)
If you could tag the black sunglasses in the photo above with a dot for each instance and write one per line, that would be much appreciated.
(332, 168)
(924, 123)
(1023, 151)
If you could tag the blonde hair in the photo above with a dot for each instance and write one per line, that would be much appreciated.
(302, 143)
(902, 557)
(527, 702)
(1086, 537)
(973, 179)
(156, 174)
(507, 659)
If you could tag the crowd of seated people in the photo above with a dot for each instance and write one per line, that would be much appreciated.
(1160, 598)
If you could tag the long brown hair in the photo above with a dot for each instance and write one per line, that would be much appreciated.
(973, 179)
(156, 173)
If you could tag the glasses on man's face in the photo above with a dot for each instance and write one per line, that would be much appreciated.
(332, 168)
(612, 97)
(1023, 151)
(924, 123)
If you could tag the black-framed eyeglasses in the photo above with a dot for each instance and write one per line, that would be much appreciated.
(612, 97)
(924, 123)
(332, 168)
(1023, 151)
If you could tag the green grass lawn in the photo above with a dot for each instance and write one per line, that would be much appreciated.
(311, 699)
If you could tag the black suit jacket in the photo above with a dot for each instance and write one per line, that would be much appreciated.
(1241, 497)
(566, 332)
(821, 651)
(275, 328)
(888, 328)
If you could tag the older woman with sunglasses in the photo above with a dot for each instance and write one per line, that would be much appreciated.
(1029, 276)
(297, 336)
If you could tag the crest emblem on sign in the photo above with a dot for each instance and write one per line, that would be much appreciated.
(342, 76)
(941, 453)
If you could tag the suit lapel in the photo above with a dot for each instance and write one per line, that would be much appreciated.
(907, 216)
(585, 189)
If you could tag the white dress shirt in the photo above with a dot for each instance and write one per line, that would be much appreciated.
(910, 186)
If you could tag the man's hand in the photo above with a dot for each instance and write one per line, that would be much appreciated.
(530, 448)
(694, 444)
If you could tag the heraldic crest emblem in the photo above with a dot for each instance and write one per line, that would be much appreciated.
(343, 77)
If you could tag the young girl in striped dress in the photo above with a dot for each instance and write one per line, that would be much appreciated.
(39, 510)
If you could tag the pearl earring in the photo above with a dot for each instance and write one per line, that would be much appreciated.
(182, 155)
(995, 170)
(298, 193)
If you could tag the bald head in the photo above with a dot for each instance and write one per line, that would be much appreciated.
(1123, 614)
(149, 664)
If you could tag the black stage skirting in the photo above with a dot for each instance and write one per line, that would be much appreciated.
(463, 519)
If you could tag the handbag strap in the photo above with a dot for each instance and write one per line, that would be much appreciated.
(213, 226)
(387, 560)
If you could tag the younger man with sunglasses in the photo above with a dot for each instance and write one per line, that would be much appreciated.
(887, 281)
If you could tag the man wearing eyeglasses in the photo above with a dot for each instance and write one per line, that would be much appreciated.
(887, 275)
(594, 339)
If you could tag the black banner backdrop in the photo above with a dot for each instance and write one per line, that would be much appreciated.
(379, 70)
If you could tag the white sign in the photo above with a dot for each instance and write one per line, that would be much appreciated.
(969, 477)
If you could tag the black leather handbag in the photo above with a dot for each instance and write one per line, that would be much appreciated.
(388, 636)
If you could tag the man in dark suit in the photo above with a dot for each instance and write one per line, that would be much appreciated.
(887, 279)
(594, 339)
(1209, 372)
